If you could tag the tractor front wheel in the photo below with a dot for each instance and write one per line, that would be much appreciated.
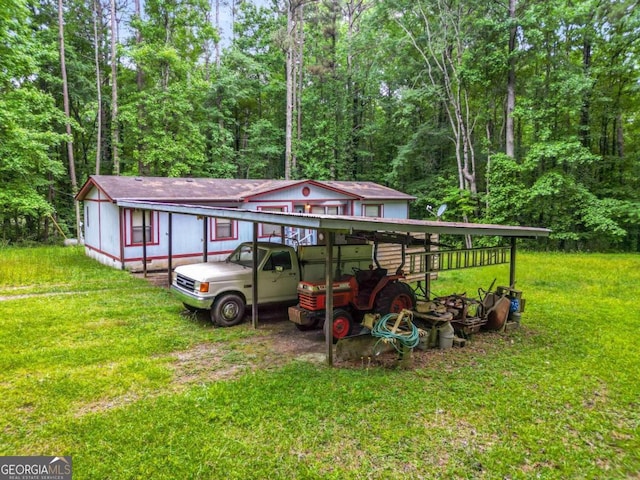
(310, 326)
(342, 324)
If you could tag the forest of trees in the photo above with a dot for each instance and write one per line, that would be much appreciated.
(510, 111)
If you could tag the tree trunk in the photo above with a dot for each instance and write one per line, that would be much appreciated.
(619, 136)
(352, 13)
(299, 57)
(140, 86)
(218, 28)
(65, 99)
(443, 65)
(585, 110)
(291, 92)
(97, 14)
(115, 130)
(511, 83)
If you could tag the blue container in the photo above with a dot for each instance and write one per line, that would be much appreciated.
(515, 305)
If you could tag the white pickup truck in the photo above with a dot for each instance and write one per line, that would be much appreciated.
(225, 288)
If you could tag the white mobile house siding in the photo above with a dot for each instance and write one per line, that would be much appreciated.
(110, 237)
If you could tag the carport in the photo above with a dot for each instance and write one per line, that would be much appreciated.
(330, 225)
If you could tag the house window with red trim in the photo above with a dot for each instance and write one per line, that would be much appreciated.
(223, 229)
(136, 231)
(268, 229)
(326, 209)
(372, 210)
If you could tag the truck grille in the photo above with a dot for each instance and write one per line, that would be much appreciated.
(185, 282)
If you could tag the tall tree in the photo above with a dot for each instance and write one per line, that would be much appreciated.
(294, 56)
(511, 81)
(439, 32)
(115, 127)
(65, 97)
(97, 15)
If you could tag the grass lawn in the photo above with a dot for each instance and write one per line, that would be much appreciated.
(89, 355)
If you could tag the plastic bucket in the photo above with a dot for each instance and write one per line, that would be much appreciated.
(445, 336)
(515, 317)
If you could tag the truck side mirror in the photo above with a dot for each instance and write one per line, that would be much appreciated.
(279, 268)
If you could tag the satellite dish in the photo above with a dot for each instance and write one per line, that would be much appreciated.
(441, 209)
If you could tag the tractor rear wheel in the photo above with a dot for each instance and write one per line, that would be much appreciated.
(394, 298)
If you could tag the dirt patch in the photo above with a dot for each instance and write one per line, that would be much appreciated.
(280, 342)
(277, 344)
(159, 279)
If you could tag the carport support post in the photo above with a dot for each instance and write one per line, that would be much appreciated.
(144, 243)
(512, 266)
(205, 240)
(170, 247)
(254, 279)
(328, 321)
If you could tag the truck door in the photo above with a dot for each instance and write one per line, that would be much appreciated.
(278, 279)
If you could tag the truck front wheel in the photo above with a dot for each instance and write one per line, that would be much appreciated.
(228, 310)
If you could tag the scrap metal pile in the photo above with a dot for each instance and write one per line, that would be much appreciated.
(445, 321)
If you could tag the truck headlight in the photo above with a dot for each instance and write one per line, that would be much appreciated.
(202, 287)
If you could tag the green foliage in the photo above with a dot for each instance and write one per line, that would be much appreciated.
(373, 103)
(264, 148)
(28, 119)
(555, 198)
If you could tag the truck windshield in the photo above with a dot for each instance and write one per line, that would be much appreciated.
(243, 255)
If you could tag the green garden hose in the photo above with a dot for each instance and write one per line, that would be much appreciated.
(406, 335)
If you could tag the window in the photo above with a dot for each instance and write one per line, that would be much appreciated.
(267, 229)
(278, 259)
(136, 226)
(243, 255)
(333, 211)
(223, 229)
(326, 210)
(372, 210)
(135, 233)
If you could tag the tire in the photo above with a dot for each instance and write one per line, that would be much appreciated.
(394, 298)
(228, 310)
(312, 326)
(342, 324)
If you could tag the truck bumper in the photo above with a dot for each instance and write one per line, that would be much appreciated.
(191, 299)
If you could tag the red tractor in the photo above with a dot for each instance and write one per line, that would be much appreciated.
(353, 295)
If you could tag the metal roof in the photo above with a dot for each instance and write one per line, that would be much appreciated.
(208, 190)
(341, 223)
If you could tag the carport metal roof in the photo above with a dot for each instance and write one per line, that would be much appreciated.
(332, 224)
(340, 223)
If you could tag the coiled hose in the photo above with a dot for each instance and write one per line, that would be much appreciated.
(404, 335)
